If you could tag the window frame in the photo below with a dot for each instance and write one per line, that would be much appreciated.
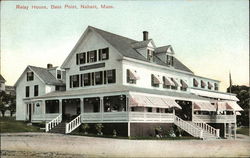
(36, 90)
(27, 91)
(30, 76)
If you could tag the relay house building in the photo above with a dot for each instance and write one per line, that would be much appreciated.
(127, 85)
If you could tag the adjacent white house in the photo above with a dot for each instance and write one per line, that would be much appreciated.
(128, 85)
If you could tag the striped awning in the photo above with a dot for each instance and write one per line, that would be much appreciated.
(156, 79)
(152, 101)
(234, 106)
(196, 83)
(203, 83)
(223, 106)
(238, 113)
(210, 85)
(184, 84)
(203, 106)
(168, 82)
(133, 75)
(175, 82)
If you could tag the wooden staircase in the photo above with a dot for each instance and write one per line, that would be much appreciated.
(198, 130)
(60, 128)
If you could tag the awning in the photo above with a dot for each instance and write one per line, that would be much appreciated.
(196, 83)
(151, 101)
(168, 82)
(203, 84)
(203, 106)
(175, 82)
(184, 84)
(223, 106)
(171, 103)
(234, 106)
(220, 95)
(210, 85)
(238, 113)
(133, 75)
(156, 79)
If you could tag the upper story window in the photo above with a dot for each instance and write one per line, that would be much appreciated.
(87, 79)
(132, 76)
(27, 91)
(155, 80)
(203, 84)
(104, 54)
(98, 78)
(216, 87)
(81, 58)
(111, 76)
(209, 85)
(36, 90)
(74, 81)
(170, 60)
(30, 76)
(195, 83)
(92, 56)
(150, 55)
(59, 74)
(184, 85)
(166, 82)
(175, 86)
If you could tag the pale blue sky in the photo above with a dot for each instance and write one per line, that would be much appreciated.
(210, 37)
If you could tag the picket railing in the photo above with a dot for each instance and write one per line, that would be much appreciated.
(53, 123)
(72, 125)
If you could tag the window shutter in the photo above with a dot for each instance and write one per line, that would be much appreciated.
(100, 54)
(70, 81)
(77, 57)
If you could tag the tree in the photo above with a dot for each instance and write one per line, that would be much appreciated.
(7, 99)
(243, 94)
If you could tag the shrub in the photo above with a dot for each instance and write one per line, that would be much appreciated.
(85, 127)
(98, 128)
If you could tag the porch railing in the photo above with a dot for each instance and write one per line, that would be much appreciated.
(214, 118)
(72, 125)
(53, 123)
(204, 126)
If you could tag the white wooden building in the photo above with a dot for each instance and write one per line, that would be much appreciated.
(125, 84)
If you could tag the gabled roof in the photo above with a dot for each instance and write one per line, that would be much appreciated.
(2, 79)
(126, 47)
(163, 49)
(43, 74)
(142, 44)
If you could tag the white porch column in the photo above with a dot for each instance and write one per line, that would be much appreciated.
(81, 105)
(235, 130)
(128, 129)
(60, 106)
(230, 130)
(192, 111)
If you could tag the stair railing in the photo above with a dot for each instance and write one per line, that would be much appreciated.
(72, 125)
(191, 129)
(211, 130)
(53, 123)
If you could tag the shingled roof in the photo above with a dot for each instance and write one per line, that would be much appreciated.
(46, 76)
(126, 46)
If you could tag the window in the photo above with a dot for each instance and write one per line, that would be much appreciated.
(203, 84)
(60, 88)
(149, 109)
(131, 77)
(59, 74)
(209, 85)
(37, 105)
(52, 106)
(155, 82)
(27, 91)
(81, 58)
(74, 81)
(216, 87)
(111, 76)
(195, 83)
(30, 76)
(92, 56)
(175, 84)
(165, 85)
(104, 54)
(183, 85)
(170, 60)
(86, 79)
(149, 55)
(157, 110)
(98, 78)
(36, 90)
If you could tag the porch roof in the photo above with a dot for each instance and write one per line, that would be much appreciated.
(118, 88)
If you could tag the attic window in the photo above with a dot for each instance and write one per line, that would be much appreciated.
(170, 60)
(92, 56)
(30, 76)
(104, 54)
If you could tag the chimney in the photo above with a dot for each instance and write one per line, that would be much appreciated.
(145, 35)
(49, 66)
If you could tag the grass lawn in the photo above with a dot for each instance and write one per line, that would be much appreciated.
(243, 130)
(10, 125)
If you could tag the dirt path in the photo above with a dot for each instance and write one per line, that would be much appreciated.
(56, 145)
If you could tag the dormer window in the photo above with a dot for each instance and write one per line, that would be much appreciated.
(170, 60)
(149, 55)
(30, 76)
(59, 74)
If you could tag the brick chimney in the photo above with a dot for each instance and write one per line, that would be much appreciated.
(145, 35)
(49, 66)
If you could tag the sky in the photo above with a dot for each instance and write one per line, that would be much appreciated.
(209, 37)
